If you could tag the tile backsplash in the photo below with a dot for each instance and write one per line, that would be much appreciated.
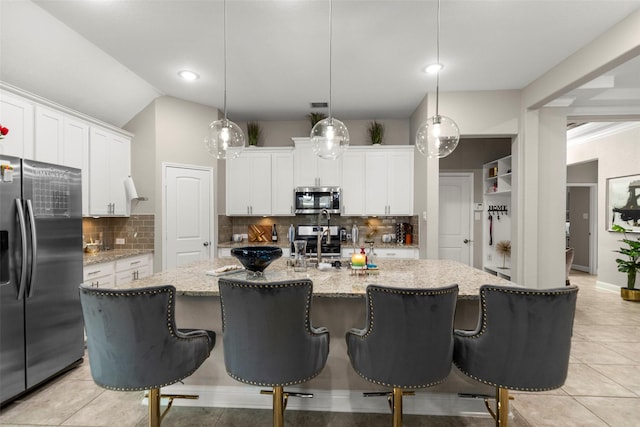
(137, 231)
(370, 228)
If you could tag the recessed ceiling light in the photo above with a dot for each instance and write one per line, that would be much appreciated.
(433, 68)
(188, 75)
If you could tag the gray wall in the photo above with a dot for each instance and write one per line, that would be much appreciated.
(279, 133)
(167, 130)
(469, 156)
(579, 220)
(583, 173)
(617, 155)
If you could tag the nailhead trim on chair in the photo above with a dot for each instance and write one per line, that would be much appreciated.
(136, 292)
(261, 384)
(484, 327)
(307, 321)
(425, 292)
(242, 284)
(421, 292)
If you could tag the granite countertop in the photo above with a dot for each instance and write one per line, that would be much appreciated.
(112, 255)
(192, 280)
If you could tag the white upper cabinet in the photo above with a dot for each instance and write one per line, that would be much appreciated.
(248, 189)
(109, 167)
(353, 181)
(16, 114)
(75, 144)
(75, 153)
(312, 171)
(282, 183)
(40, 130)
(389, 181)
(49, 135)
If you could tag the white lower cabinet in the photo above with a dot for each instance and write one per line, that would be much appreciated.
(133, 268)
(124, 270)
(99, 275)
(393, 253)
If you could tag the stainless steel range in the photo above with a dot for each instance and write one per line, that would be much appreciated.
(310, 234)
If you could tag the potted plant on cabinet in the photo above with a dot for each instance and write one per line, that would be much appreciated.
(315, 118)
(253, 133)
(629, 265)
(376, 132)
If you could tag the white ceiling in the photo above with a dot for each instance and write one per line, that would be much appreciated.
(130, 52)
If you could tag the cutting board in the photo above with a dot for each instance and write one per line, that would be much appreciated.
(259, 233)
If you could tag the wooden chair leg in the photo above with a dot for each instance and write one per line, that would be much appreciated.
(154, 407)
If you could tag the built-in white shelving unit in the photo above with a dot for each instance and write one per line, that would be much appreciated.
(497, 216)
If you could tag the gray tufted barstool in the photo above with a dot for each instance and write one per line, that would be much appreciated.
(134, 344)
(522, 342)
(408, 340)
(268, 338)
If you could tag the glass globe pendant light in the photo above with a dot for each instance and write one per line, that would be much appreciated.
(439, 135)
(225, 139)
(329, 137)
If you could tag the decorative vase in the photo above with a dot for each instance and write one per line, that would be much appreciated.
(630, 294)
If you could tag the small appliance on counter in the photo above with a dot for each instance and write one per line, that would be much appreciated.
(404, 232)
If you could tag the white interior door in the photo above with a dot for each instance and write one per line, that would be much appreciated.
(455, 228)
(188, 213)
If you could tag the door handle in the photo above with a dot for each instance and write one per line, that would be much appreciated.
(205, 244)
(467, 241)
(23, 239)
(34, 247)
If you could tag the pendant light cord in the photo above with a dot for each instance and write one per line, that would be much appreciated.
(224, 29)
(330, 52)
(438, 59)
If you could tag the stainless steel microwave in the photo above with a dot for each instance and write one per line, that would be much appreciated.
(312, 200)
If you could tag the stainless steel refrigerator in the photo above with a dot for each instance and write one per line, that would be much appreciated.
(41, 329)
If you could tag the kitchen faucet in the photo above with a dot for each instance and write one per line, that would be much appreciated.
(321, 233)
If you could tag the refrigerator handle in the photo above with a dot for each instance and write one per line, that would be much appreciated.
(23, 238)
(34, 248)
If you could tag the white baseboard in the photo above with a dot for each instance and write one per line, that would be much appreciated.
(607, 286)
(243, 396)
(584, 268)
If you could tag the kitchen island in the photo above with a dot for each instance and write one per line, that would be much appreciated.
(339, 305)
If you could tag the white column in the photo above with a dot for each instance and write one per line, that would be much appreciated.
(540, 195)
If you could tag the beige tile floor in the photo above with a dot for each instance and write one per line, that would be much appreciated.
(602, 388)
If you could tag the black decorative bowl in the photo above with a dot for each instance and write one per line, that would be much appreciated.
(256, 258)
